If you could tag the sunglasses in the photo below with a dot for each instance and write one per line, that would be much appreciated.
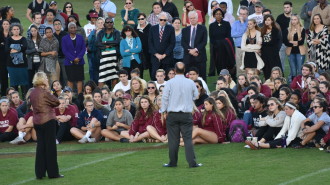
(141, 19)
(108, 22)
(312, 92)
(188, 6)
(151, 87)
(163, 20)
(68, 7)
(271, 104)
(129, 3)
(315, 107)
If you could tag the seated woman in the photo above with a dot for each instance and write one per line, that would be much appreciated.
(56, 88)
(25, 129)
(278, 84)
(316, 125)
(212, 130)
(15, 100)
(226, 108)
(89, 123)
(305, 95)
(158, 128)
(103, 109)
(242, 84)
(119, 120)
(136, 88)
(89, 87)
(152, 91)
(313, 95)
(272, 123)
(201, 94)
(143, 118)
(119, 93)
(229, 95)
(276, 72)
(285, 93)
(225, 73)
(325, 89)
(296, 99)
(64, 116)
(8, 121)
(291, 130)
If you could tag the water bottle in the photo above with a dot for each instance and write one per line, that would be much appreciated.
(283, 141)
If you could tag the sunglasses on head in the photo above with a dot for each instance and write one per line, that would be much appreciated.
(163, 20)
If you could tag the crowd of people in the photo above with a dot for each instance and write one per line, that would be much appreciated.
(117, 104)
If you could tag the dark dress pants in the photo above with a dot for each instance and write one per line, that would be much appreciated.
(63, 132)
(176, 123)
(46, 154)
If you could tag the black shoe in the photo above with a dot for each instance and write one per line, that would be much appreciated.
(168, 165)
(59, 176)
(196, 165)
(211, 74)
(124, 140)
(39, 178)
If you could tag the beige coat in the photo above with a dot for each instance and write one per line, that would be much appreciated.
(252, 48)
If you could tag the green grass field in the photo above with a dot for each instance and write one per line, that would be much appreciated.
(116, 163)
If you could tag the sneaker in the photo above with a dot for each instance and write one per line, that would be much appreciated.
(83, 140)
(124, 140)
(57, 142)
(91, 140)
(106, 139)
(17, 141)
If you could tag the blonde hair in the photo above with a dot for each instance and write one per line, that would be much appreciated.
(256, 27)
(141, 89)
(39, 79)
(228, 99)
(292, 30)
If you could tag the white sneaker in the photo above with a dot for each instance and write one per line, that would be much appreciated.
(17, 141)
(57, 142)
(91, 140)
(106, 139)
(83, 140)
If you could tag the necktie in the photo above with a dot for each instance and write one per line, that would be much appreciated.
(192, 39)
(161, 33)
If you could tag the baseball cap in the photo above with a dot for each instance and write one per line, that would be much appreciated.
(127, 96)
(224, 72)
(93, 15)
(258, 4)
(67, 88)
(52, 2)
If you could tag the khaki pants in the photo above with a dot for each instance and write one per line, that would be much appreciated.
(239, 61)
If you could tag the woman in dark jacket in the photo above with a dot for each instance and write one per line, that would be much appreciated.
(4, 34)
(44, 119)
(169, 7)
(142, 29)
(221, 40)
(107, 42)
(269, 50)
(32, 52)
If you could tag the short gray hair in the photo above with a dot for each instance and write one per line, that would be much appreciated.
(162, 14)
(12, 25)
(72, 24)
(244, 8)
(191, 13)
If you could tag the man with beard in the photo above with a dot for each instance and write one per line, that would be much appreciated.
(300, 82)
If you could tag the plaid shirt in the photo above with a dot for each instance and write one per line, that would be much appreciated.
(41, 31)
(154, 20)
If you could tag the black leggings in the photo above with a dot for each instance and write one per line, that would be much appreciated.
(63, 132)
(267, 132)
(7, 136)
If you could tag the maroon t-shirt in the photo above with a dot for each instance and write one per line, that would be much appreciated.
(67, 111)
(10, 119)
(28, 115)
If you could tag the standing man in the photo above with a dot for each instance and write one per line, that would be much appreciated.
(161, 45)
(194, 40)
(284, 20)
(109, 9)
(177, 106)
(36, 20)
(258, 8)
(36, 6)
(237, 31)
(58, 13)
(59, 34)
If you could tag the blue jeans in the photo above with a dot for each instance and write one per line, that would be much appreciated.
(247, 117)
(296, 61)
(283, 57)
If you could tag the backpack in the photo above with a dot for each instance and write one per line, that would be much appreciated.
(238, 131)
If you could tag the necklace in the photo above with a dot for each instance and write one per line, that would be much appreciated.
(73, 38)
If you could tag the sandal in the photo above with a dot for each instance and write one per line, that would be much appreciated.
(251, 145)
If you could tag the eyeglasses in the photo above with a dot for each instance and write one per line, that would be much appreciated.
(68, 7)
(151, 87)
(312, 92)
(129, 3)
(108, 22)
(188, 6)
(315, 107)
(141, 19)
(271, 104)
(163, 20)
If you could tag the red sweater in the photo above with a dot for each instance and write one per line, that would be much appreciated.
(157, 123)
(214, 124)
(140, 124)
(264, 89)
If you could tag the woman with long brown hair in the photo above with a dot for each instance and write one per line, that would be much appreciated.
(269, 50)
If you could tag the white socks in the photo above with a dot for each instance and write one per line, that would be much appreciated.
(21, 134)
(88, 134)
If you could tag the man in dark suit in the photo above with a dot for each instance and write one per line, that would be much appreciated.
(161, 45)
(194, 40)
